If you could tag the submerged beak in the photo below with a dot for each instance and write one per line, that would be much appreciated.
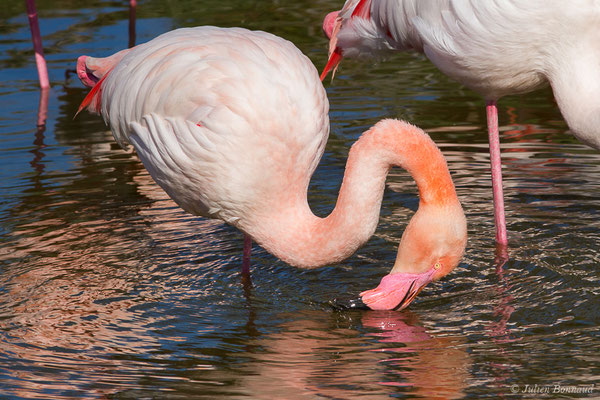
(396, 291)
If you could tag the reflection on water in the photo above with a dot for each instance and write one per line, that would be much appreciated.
(331, 355)
(109, 290)
(75, 290)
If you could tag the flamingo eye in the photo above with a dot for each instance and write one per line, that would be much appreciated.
(437, 265)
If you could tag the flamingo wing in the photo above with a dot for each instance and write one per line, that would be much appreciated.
(220, 117)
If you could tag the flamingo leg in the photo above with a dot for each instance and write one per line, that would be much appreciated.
(246, 256)
(495, 159)
(36, 37)
(132, 6)
(43, 108)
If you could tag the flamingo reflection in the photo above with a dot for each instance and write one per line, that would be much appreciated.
(326, 355)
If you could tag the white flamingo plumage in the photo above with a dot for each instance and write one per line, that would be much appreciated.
(232, 123)
(496, 48)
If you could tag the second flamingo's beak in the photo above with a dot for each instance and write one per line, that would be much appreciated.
(396, 291)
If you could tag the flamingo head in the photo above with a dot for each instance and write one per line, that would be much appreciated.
(329, 23)
(86, 75)
(91, 70)
(431, 247)
(331, 26)
(354, 32)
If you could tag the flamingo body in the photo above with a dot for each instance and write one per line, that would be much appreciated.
(496, 48)
(232, 123)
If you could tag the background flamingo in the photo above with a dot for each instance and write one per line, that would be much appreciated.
(40, 60)
(495, 48)
(232, 123)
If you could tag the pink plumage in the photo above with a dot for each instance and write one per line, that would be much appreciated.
(232, 123)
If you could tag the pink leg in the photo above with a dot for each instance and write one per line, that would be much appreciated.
(246, 256)
(132, 5)
(494, 138)
(36, 37)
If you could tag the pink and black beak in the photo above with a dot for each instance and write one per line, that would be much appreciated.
(397, 291)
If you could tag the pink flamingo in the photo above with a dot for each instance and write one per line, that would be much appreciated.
(232, 123)
(496, 48)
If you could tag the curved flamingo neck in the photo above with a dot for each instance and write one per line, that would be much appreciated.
(295, 235)
(398, 143)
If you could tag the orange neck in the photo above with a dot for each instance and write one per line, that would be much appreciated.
(293, 233)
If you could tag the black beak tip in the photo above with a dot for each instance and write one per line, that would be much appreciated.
(348, 304)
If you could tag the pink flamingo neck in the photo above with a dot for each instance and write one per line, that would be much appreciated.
(290, 230)
(36, 37)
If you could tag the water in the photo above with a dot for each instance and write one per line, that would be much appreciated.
(109, 290)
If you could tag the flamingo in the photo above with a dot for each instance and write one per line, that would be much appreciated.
(495, 48)
(232, 123)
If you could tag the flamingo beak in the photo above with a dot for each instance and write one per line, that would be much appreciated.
(396, 291)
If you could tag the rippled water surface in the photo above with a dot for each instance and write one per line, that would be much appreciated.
(109, 290)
